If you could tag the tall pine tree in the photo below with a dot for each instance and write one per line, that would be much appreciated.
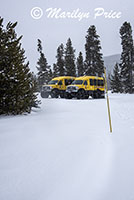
(17, 87)
(50, 74)
(59, 68)
(55, 70)
(127, 58)
(80, 65)
(94, 64)
(70, 69)
(115, 80)
(44, 74)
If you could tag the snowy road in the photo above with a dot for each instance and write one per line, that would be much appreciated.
(64, 151)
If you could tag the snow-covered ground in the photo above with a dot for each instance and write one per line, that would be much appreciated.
(64, 151)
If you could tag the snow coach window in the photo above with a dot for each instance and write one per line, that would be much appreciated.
(85, 83)
(53, 82)
(77, 82)
(68, 81)
(102, 83)
(91, 82)
(99, 83)
(60, 83)
(95, 82)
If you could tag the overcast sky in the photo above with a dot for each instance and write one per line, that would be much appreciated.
(54, 31)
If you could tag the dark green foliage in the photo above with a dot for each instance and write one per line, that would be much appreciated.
(80, 65)
(115, 80)
(59, 68)
(127, 58)
(55, 71)
(50, 74)
(94, 64)
(17, 86)
(122, 79)
(70, 69)
(44, 71)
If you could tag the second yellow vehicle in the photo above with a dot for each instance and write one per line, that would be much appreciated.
(56, 87)
(85, 86)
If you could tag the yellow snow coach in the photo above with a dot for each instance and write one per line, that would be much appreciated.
(56, 87)
(85, 86)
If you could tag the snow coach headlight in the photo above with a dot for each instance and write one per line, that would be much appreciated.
(72, 89)
(49, 88)
(76, 88)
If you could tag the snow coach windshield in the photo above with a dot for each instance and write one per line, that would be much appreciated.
(77, 82)
(53, 82)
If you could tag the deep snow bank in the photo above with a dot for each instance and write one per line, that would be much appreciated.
(65, 151)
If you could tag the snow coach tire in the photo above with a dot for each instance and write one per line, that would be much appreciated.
(86, 96)
(102, 97)
(68, 96)
(62, 95)
(95, 95)
(54, 93)
(44, 94)
(81, 94)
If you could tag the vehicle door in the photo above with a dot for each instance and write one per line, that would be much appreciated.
(85, 85)
(95, 84)
(61, 85)
(91, 83)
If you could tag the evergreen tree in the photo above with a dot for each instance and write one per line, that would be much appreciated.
(50, 73)
(94, 64)
(17, 88)
(115, 80)
(3, 83)
(55, 70)
(35, 81)
(44, 71)
(70, 69)
(60, 71)
(80, 65)
(127, 58)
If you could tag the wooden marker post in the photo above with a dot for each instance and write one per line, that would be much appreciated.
(108, 106)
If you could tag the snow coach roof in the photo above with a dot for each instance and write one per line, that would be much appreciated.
(63, 77)
(88, 77)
